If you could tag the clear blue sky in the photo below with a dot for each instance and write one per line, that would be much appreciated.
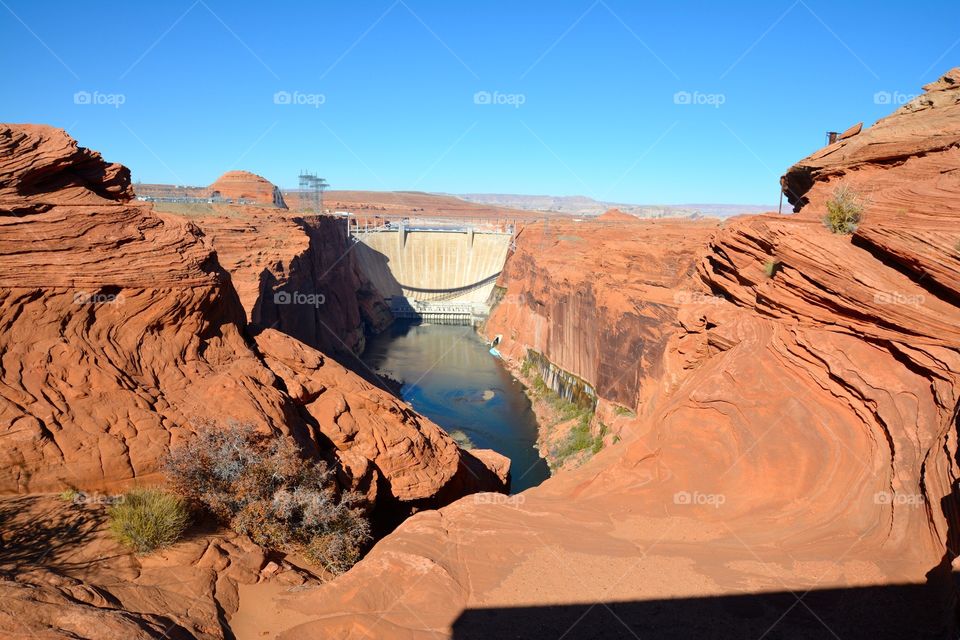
(398, 80)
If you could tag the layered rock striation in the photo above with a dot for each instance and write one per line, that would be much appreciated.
(299, 275)
(791, 470)
(121, 331)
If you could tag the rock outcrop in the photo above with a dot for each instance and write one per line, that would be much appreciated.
(399, 458)
(243, 186)
(86, 585)
(232, 188)
(792, 467)
(118, 327)
(121, 331)
(905, 165)
(299, 275)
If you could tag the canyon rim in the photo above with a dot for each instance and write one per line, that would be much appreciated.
(734, 421)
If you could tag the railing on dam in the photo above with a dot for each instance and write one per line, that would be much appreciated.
(439, 270)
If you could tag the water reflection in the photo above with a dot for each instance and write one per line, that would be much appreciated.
(449, 376)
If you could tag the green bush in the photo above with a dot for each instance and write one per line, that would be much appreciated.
(263, 487)
(771, 267)
(580, 439)
(624, 411)
(148, 519)
(844, 210)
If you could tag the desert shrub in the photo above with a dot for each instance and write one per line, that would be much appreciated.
(580, 439)
(539, 386)
(771, 267)
(263, 487)
(624, 411)
(844, 210)
(148, 519)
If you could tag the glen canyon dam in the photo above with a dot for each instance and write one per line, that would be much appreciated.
(484, 320)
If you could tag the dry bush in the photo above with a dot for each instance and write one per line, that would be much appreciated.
(262, 487)
(148, 519)
(844, 210)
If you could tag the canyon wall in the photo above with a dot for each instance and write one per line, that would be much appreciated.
(300, 276)
(121, 332)
(119, 326)
(597, 298)
(791, 470)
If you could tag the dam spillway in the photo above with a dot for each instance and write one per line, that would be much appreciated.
(443, 274)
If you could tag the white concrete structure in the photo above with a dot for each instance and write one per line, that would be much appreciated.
(435, 273)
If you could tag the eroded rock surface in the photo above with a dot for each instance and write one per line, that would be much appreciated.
(63, 576)
(243, 186)
(119, 333)
(791, 470)
(394, 454)
(119, 327)
(298, 275)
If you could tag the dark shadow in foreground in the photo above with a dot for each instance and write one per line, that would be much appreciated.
(895, 612)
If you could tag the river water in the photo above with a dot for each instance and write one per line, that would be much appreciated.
(449, 376)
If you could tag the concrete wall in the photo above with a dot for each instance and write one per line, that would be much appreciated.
(435, 266)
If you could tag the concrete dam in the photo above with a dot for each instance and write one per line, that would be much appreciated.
(441, 274)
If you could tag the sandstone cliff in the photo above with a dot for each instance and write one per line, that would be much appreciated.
(119, 332)
(791, 470)
(298, 275)
(120, 328)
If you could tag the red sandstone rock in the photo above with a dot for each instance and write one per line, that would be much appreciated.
(905, 164)
(418, 462)
(852, 131)
(615, 215)
(298, 275)
(249, 187)
(120, 331)
(119, 327)
(797, 396)
(63, 575)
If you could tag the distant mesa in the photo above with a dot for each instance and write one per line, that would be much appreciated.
(233, 187)
(246, 186)
(615, 215)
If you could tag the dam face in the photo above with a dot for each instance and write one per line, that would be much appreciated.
(441, 274)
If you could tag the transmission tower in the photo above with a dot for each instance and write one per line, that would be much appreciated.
(311, 191)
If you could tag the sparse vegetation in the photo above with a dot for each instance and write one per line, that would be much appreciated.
(580, 439)
(148, 519)
(624, 411)
(263, 487)
(844, 210)
(69, 495)
(771, 267)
